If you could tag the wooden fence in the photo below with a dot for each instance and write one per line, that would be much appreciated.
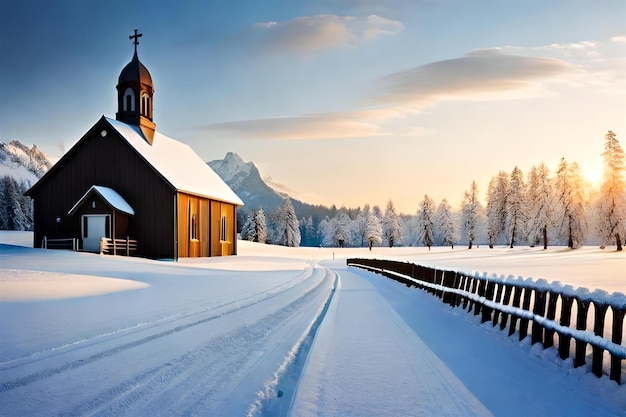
(69, 243)
(118, 246)
(523, 306)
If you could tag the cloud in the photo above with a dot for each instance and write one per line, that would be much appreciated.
(312, 33)
(481, 74)
(305, 127)
(619, 39)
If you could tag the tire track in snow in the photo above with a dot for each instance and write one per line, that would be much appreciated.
(46, 373)
(273, 403)
(78, 344)
(157, 390)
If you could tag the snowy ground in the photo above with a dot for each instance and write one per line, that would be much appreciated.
(278, 331)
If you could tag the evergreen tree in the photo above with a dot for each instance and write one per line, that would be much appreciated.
(570, 204)
(496, 207)
(425, 216)
(327, 228)
(288, 227)
(445, 224)
(611, 203)
(539, 205)
(248, 231)
(307, 231)
(470, 213)
(260, 226)
(392, 231)
(516, 206)
(12, 201)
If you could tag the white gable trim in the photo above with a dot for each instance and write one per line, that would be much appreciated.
(109, 195)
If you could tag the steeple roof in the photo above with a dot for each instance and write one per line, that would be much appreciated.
(135, 71)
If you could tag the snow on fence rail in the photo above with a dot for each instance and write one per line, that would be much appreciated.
(498, 298)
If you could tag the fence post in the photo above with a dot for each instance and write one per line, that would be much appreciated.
(598, 329)
(490, 288)
(508, 289)
(467, 303)
(127, 246)
(481, 293)
(44, 242)
(517, 296)
(548, 334)
(616, 361)
(539, 309)
(497, 313)
(581, 324)
(523, 322)
(566, 319)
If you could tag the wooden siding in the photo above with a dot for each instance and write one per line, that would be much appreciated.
(187, 205)
(108, 161)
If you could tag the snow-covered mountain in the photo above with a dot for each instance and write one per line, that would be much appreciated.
(25, 165)
(20, 168)
(246, 181)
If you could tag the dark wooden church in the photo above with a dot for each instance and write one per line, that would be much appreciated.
(124, 179)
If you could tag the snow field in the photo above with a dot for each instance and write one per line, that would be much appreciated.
(184, 355)
(266, 334)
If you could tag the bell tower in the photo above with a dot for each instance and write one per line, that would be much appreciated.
(134, 95)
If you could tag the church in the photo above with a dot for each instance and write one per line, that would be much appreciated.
(125, 180)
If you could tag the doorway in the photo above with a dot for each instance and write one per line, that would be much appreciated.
(94, 228)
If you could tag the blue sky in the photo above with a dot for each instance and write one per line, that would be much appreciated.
(346, 101)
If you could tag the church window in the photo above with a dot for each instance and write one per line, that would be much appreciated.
(145, 105)
(194, 225)
(129, 100)
(223, 227)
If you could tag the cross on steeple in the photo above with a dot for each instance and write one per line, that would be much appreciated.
(136, 37)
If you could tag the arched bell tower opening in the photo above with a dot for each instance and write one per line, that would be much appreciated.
(134, 95)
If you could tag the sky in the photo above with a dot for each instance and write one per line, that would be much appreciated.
(347, 102)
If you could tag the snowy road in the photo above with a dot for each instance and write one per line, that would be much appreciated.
(367, 362)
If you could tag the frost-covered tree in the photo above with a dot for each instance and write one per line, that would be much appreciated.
(570, 210)
(611, 203)
(392, 231)
(516, 206)
(539, 198)
(446, 229)
(326, 229)
(260, 226)
(307, 231)
(373, 230)
(360, 226)
(496, 206)
(425, 221)
(15, 208)
(341, 234)
(470, 213)
(288, 226)
(248, 228)
(255, 229)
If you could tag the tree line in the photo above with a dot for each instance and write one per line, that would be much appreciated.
(539, 208)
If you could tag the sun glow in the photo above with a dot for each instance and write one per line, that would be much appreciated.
(593, 176)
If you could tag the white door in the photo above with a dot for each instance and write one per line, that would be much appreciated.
(94, 229)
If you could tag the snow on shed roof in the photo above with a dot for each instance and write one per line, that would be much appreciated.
(110, 196)
(177, 163)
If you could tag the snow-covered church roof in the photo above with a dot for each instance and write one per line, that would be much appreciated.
(177, 163)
